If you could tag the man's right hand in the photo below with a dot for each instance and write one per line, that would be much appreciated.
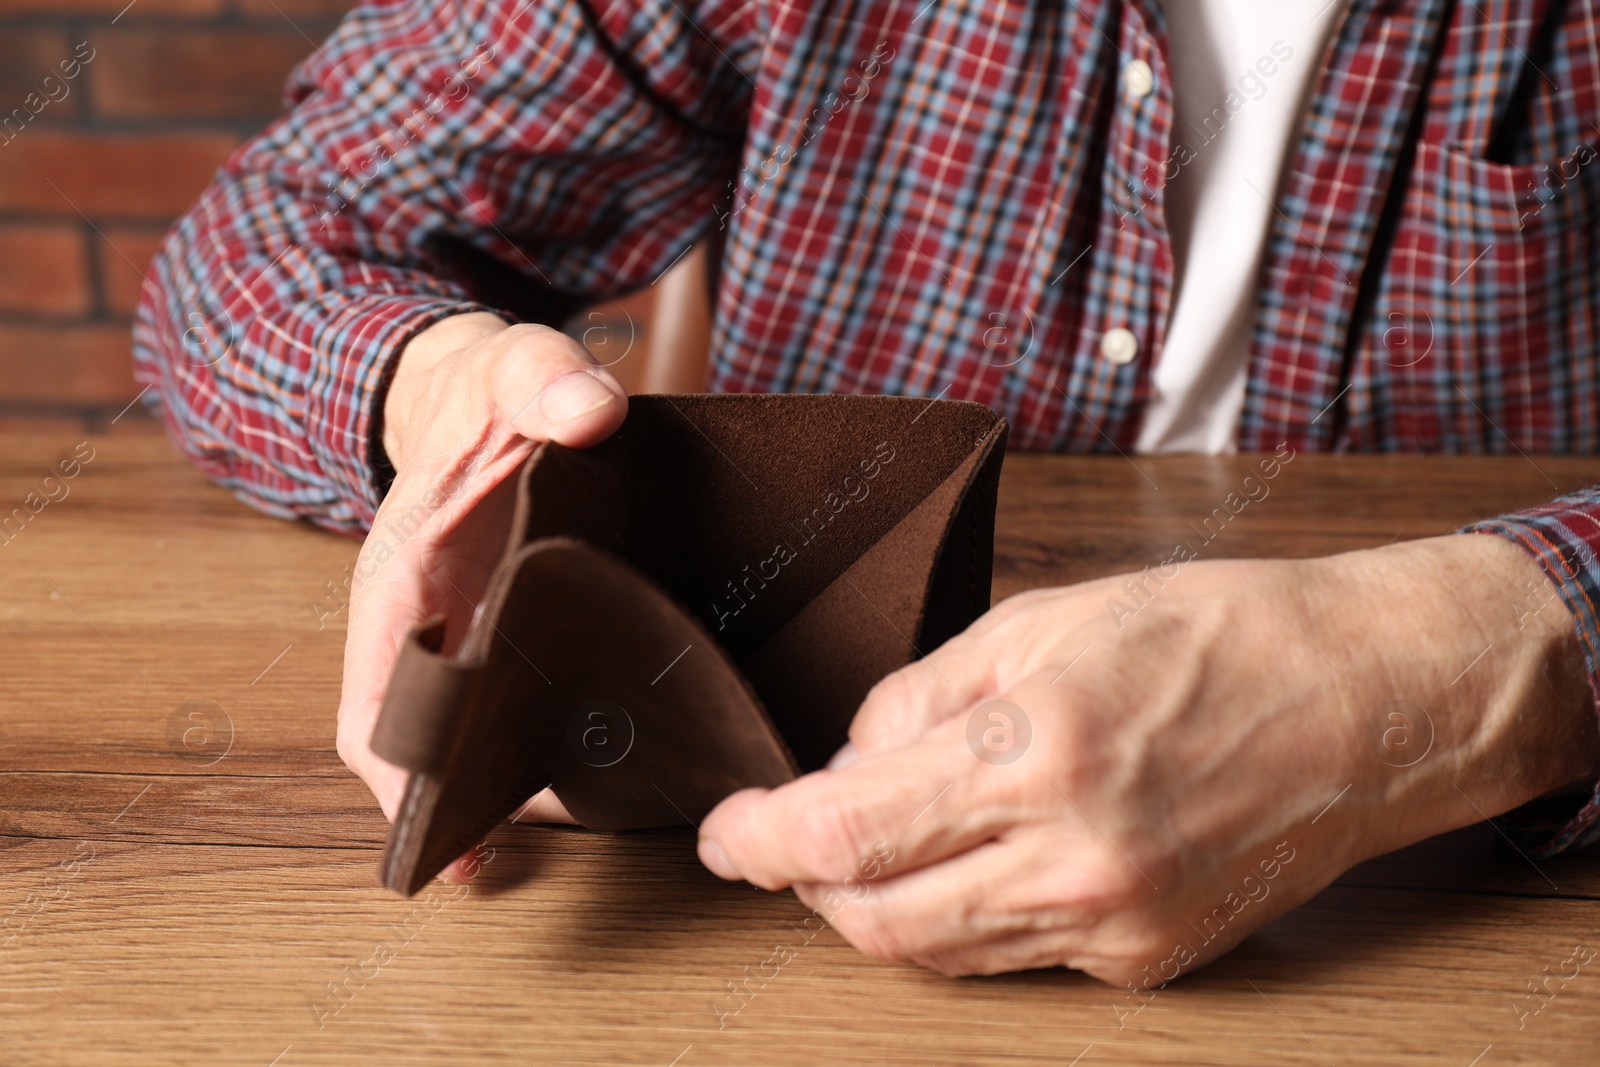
(470, 399)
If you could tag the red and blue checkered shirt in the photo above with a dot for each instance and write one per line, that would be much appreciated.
(925, 197)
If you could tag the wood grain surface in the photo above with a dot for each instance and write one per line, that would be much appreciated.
(187, 872)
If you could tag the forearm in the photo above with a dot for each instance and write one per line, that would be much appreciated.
(1493, 700)
(276, 308)
(273, 310)
(272, 395)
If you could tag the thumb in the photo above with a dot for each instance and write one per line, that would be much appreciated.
(547, 387)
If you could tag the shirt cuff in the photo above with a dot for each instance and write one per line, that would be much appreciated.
(356, 346)
(1564, 537)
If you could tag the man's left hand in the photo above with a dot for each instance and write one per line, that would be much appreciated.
(1131, 791)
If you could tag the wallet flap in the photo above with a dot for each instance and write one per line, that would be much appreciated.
(623, 675)
(421, 702)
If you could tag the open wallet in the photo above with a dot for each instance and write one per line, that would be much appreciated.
(696, 605)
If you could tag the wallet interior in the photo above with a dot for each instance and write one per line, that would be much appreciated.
(696, 605)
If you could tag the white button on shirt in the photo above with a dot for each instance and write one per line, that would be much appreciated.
(1119, 346)
(1138, 79)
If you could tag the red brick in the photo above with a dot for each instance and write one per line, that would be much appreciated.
(193, 73)
(27, 57)
(43, 270)
(149, 176)
(117, 9)
(125, 256)
(66, 364)
(295, 9)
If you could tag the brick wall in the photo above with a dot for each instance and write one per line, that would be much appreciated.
(113, 116)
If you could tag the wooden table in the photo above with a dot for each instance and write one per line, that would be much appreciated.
(189, 870)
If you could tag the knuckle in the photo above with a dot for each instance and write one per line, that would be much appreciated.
(1021, 601)
(1089, 886)
(1019, 604)
(891, 688)
(1114, 885)
(527, 352)
(883, 704)
(548, 347)
(828, 840)
(522, 333)
(1077, 759)
(350, 749)
(947, 964)
(871, 933)
(1147, 945)
(1147, 952)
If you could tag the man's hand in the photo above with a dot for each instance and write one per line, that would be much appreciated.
(1188, 769)
(469, 401)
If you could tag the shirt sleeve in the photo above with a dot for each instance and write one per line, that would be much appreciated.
(577, 146)
(1564, 536)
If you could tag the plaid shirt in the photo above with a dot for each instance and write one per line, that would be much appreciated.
(926, 197)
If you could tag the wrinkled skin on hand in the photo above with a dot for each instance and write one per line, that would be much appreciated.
(1195, 768)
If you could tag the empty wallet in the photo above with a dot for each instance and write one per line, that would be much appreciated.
(696, 605)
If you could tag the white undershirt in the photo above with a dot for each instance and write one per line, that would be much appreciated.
(1238, 121)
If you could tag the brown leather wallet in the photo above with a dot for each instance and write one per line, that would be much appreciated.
(697, 605)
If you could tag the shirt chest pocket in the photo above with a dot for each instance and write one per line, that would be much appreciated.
(1486, 324)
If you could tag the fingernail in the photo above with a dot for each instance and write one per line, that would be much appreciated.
(573, 396)
(845, 757)
(716, 860)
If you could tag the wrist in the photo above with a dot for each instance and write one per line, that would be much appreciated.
(1498, 694)
(1542, 677)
